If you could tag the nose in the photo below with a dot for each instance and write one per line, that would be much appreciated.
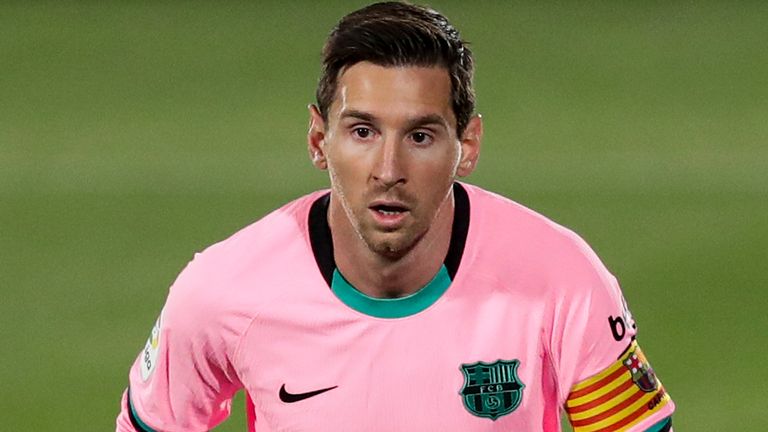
(389, 168)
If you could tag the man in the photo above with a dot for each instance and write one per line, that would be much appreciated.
(400, 300)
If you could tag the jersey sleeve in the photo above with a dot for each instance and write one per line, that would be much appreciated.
(184, 379)
(604, 380)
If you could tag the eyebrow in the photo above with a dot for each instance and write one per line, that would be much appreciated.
(428, 119)
(361, 115)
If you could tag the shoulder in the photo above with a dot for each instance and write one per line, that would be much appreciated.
(527, 253)
(512, 219)
(230, 278)
(524, 235)
(281, 227)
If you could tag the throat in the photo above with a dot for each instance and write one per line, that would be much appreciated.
(388, 278)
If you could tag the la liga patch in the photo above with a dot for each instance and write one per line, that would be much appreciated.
(149, 353)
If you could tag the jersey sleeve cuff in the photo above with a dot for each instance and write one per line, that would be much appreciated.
(136, 421)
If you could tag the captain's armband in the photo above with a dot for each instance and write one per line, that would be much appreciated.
(625, 394)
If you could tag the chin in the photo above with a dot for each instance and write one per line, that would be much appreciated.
(390, 252)
(391, 246)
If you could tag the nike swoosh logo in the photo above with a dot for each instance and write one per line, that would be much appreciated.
(295, 397)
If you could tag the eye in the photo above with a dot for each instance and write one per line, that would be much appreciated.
(362, 132)
(421, 138)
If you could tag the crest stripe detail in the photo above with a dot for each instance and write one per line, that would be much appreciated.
(619, 391)
(592, 386)
(625, 406)
(598, 393)
(623, 395)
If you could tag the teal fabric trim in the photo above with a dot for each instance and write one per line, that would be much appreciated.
(136, 417)
(395, 307)
(660, 426)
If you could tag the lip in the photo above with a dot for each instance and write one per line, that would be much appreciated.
(388, 203)
(389, 221)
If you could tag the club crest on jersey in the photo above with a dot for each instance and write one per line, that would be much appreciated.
(491, 390)
(642, 372)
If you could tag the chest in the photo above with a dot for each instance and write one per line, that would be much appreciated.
(460, 365)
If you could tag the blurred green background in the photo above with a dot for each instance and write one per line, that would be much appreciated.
(133, 134)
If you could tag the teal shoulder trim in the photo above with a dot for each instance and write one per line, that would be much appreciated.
(661, 426)
(391, 308)
(134, 417)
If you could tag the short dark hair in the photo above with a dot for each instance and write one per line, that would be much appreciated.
(399, 34)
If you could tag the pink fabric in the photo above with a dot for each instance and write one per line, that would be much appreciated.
(254, 312)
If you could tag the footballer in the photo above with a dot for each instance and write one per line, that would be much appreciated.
(400, 299)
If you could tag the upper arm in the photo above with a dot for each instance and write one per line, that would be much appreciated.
(184, 377)
(604, 379)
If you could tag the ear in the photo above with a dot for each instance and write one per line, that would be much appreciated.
(470, 146)
(316, 138)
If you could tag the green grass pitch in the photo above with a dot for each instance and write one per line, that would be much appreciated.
(133, 134)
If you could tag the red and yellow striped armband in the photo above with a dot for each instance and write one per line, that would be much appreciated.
(621, 396)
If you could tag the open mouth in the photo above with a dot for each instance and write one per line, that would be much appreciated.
(389, 210)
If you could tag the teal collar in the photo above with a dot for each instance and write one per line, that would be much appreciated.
(391, 307)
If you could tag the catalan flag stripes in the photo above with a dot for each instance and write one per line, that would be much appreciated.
(621, 396)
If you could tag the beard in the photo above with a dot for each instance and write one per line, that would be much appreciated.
(390, 245)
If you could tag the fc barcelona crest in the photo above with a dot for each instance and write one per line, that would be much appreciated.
(642, 372)
(491, 389)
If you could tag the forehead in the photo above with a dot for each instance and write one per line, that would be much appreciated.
(394, 91)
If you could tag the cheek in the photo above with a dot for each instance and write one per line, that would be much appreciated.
(347, 172)
(440, 166)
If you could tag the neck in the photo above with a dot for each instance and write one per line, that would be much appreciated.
(385, 277)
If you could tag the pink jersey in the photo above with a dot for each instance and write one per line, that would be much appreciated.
(522, 322)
